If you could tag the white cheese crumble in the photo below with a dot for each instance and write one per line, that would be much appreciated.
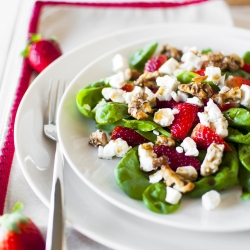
(129, 95)
(189, 147)
(224, 89)
(213, 74)
(113, 94)
(119, 63)
(212, 160)
(173, 196)
(213, 118)
(156, 177)
(191, 60)
(167, 84)
(164, 117)
(211, 200)
(118, 80)
(117, 147)
(245, 99)
(146, 155)
(151, 97)
(196, 101)
(179, 149)
(156, 132)
(187, 172)
(169, 66)
(179, 96)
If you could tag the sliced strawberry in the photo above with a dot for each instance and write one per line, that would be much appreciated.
(128, 87)
(204, 136)
(19, 233)
(165, 104)
(201, 72)
(176, 159)
(228, 106)
(129, 135)
(155, 63)
(246, 67)
(237, 81)
(184, 120)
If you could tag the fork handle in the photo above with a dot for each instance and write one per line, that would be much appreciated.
(55, 233)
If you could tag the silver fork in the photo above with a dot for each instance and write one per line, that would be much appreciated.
(55, 239)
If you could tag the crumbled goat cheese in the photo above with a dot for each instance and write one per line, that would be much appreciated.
(119, 63)
(213, 74)
(173, 196)
(99, 104)
(191, 60)
(189, 147)
(187, 172)
(179, 149)
(117, 80)
(179, 96)
(129, 95)
(169, 66)
(211, 200)
(224, 89)
(151, 97)
(156, 132)
(156, 177)
(213, 158)
(117, 147)
(213, 118)
(167, 84)
(195, 100)
(116, 95)
(164, 117)
(146, 155)
(245, 100)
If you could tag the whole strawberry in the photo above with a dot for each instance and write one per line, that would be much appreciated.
(17, 232)
(41, 52)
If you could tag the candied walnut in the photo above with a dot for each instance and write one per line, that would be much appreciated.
(135, 74)
(212, 159)
(139, 106)
(165, 140)
(170, 51)
(231, 63)
(172, 179)
(200, 89)
(98, 138)
(231, 96)
(148, 79)
(158, 162)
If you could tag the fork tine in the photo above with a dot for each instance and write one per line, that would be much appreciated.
(59, 93)
(48, 112)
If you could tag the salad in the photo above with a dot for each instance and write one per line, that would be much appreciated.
(179, 120)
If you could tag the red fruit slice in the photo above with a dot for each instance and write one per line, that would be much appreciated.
(184, 120)
(128, 87)
(165, 104)
(201, 72)
(155, 63)
(228, 106)
(246, 67)
(204, 136)
(237, 81)
(176, 159)
(129, 135)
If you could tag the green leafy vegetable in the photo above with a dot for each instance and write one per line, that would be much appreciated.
(246, 57)
(111, 112)
(154, 199)
(238, 117)
(186, 77)
(205, 51)
(235, 135)
(139, 58)
(244, 155)
(244, 180)
(226, 177)
(129, 177)
(241, 73)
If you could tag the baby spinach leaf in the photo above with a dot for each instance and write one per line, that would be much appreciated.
(226, 177)
(129, 177)
(154, 199)
(148, 135)
(238, 117)
(140, 57)
(244, 181)
(246, 57)
(90, 97)
(140, 125)
(241, 73)
(205, 51)
(109, 126)
(186, 77)
(244, 155)
(111, 112)
(235, 135)
(101, 83)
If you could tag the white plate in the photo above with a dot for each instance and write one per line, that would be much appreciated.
(86, 211)
(74, 130)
